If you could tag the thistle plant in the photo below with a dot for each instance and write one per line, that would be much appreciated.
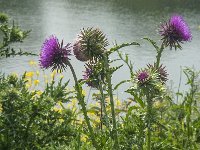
(90, 46)
(29, 120)
(94, 77)
(190, 103)
(54, 55)
(173, 33)
(146, 87)
(11, 34)
(52, 119)
(149, 83)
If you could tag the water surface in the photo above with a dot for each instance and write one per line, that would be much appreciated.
(121, 21)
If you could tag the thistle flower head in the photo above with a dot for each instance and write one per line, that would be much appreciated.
(54, 55)
(147, 81)
(90, 45)
(162, 73)
(87, 73)
(88, 76)
(94, 74)
(80, 55)
(142, 76)
(174, 32)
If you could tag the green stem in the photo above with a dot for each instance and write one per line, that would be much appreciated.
(110, 92)
(159, 54)
(83, 105)
(149, 108)
(190, 102)
(101, 117)
(103, 104)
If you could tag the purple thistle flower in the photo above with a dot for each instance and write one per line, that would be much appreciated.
(174, 32)
(162, 73)
(88, 73)
(142, 76)
(54, 54)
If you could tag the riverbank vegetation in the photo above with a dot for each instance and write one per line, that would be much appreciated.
(59, 117)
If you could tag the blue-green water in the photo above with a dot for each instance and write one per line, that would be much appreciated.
(121, 21)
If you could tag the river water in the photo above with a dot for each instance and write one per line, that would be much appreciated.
(120, 20)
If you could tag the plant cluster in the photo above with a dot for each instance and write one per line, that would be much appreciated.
(59, 118)
(11, 34)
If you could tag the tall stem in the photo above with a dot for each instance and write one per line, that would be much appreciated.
(149, 115)
(190, 102)
(110, 92)
(103, 104)
(159, 54)
(83, 105)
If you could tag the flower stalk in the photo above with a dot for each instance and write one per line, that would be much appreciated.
(158, 57)
(149, 116)
(83, 105)
(103, 105)
(110, 92)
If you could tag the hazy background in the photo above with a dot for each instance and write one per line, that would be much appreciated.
(120, 20)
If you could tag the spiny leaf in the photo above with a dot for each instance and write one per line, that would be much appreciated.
(136, 98)
(153, 43)
(113, 69)
(120, 83)
(117, 47)
(132, 108)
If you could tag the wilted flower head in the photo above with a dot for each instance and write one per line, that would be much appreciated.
(78, 52)
(174, 32)
(54, 55)
(90, 45)
(88, 76)
(94, 74)
(87, 73)
(142, 76)
(162, 73)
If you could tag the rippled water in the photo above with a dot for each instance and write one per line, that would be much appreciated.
(121, 21)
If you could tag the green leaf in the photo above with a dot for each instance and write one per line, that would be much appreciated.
(124, 81)
(161, 125)
(117, 47)
(3, 18)
(113, 69)
(153, 43)
(114, 60)
(132, 108)
(136, 98)
(179, 94)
